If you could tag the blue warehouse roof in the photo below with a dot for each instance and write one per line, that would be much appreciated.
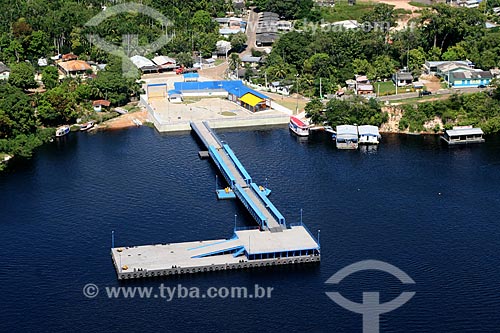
(236, 88)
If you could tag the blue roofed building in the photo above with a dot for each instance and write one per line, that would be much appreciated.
(235, 91)
(191, 77)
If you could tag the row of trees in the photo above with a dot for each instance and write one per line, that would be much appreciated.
(26, 121)
(356, 110)
(439, 33)
(479, 109)
(289, 9)
(36, 28)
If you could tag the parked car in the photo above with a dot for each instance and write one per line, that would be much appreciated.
(481, 86)
(426, 92)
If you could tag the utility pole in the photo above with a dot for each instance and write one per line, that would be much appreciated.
(320, 89)
(408, 58)
(396, 82)
(298, 88)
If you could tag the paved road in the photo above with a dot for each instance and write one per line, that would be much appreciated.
(253, 19)
(435, 93)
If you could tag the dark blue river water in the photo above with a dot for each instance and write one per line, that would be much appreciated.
(430, 210)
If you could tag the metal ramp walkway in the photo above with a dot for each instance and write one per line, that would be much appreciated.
(258, 205)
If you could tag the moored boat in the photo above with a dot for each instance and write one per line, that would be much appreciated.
(330, 130)
(346, 137)
(369, 134)
(298, 127)
(463, 135)
(62, 131)
(86, 126)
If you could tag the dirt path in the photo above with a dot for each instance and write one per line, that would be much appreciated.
(251, 32)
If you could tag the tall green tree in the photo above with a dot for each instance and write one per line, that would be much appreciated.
(314, 111)
(23, 76)
(50, 77)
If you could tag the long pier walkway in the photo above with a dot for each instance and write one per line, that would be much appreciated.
(273, 242)
(259, 206)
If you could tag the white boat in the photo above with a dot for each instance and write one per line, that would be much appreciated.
(369, 134)
(346, 137)
(329, 129)
(62, 131)
(298, 127)
(137, 122)
(87, 126)
(463, 135)
(121, 110)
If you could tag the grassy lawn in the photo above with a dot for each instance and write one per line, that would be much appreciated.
(386, 88)
(342, 11)
(292, 105)
(219, 62)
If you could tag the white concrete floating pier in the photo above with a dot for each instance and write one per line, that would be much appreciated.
(246, 249)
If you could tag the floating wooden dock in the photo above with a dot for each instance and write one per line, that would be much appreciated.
(273, 242)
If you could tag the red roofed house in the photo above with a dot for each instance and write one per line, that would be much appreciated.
(74, 67)
(99, 104)
(68, 57)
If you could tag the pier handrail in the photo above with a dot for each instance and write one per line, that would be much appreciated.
(211, 131)
(237, 163)
(240, 192)
(277, 214)
(223, 167)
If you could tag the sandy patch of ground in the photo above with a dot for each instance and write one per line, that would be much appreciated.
(403, 4)
(431, 82)
(124, 121)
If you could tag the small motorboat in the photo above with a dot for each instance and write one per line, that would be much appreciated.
(86, 126)
(329, 129)
(62, 131)
(121, 110)
(137, 122)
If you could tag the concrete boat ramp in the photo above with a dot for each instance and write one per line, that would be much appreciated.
(272, 242)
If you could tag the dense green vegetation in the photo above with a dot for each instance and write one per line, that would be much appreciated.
(355, 110)
(332, 56)
(34, 29)
(479, 109)
(289, 9)
(342, 11)
(335, 55)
